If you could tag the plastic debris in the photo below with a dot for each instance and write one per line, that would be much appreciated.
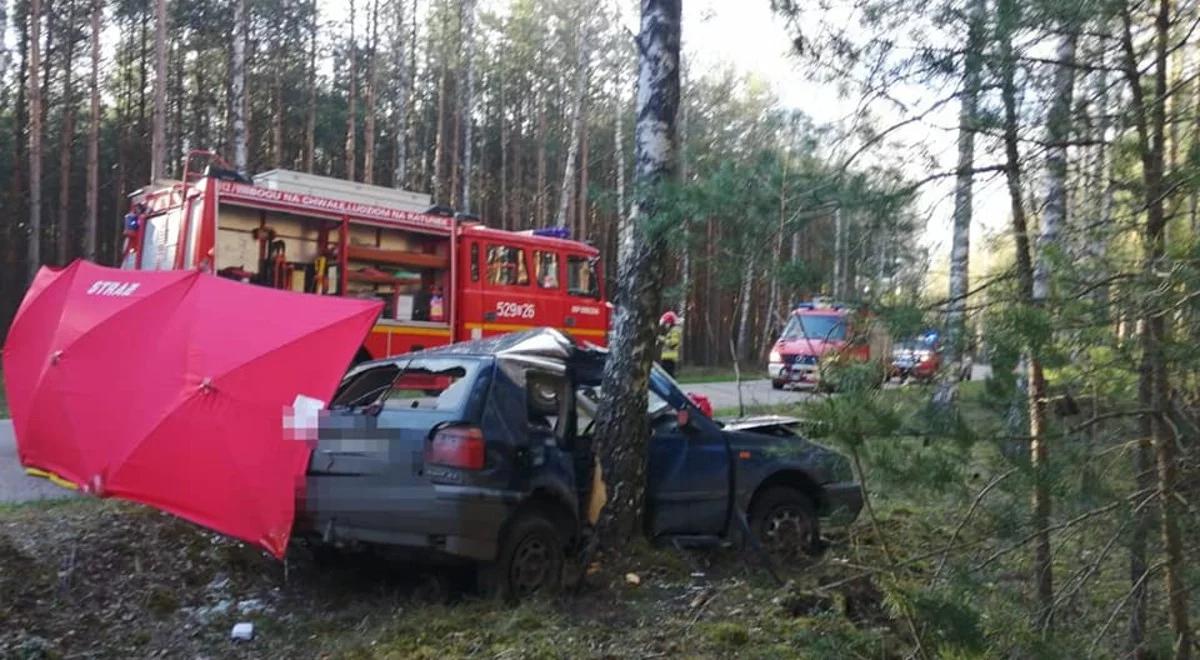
(633, 579)
(243, 631)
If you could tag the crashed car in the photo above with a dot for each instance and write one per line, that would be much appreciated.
(497, 468)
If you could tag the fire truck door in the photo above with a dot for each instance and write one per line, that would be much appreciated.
(508, 302)
(548, 289)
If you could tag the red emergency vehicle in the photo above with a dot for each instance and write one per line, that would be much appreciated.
(442, 278)
(820, 332)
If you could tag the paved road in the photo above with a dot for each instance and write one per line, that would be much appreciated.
(754, 393)
(15, 485)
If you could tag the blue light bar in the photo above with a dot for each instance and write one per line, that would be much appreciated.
(553, 232)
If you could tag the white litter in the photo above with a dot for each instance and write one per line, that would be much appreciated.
(243, 631)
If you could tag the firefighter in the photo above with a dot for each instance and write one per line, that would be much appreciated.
(670, 336)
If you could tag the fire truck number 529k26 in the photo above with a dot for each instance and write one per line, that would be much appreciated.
(441, 278)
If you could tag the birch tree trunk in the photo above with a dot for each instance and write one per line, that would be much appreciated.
(1149, 116)
(91, 210)
(622, 429)
(400, 63)
(567, 191)
(468, 105)
(369, 114)
(1058, 133)
(960, 247)
(624, 238)
(34, 246)
(237, 88)
(158, 137)
(743, 332)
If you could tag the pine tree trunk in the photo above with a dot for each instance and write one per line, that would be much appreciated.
(66, 145)
(582, 216)
(622, 429)
(540, 194)
(4, 52)
(838, 249)
(158, 138)
(960, 247)
(468, 105)
(352, 110)
(439, 149)
(33, 255)
(619, 149)
(567, 191)
(505, 138)
(91, 210)
(1150, 119)
(369, 115)
(237, 100)
(310, 119)
(400, 173)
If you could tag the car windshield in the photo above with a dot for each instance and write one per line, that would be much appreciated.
(825, 327)
(423, 383)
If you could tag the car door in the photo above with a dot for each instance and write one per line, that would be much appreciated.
(688, 479)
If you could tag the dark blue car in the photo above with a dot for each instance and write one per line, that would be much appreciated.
(495, 464)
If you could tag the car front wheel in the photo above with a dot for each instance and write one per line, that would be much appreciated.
(785, 522)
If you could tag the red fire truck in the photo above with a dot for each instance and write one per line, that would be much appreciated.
(442, 277)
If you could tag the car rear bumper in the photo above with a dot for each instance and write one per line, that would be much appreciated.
(454, 521)
(843, 500)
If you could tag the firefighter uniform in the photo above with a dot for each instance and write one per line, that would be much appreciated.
(669, 342)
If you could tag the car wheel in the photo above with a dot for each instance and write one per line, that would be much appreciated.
(530, 562)
(777, 384)
(785, 522)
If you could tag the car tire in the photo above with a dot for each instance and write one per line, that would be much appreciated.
(786, 524)
(777, 384)
(530, 561)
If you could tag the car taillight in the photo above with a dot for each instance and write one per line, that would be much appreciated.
(456, 446)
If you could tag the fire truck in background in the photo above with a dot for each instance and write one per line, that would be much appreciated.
(821, 333)
(442, 277)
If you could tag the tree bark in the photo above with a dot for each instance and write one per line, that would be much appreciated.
(352, 105)
(1149, 116)
(960, 250)
(540, 194)
(439, 149)
(743, 332)
(369, 115)
(621, 424)
(158, 138)
(566, 196)
(468, 105)
(400, 63)
(66, 145)
(1058, 133)
(310, 119)
(237, 93)
(91, 210)
(5, 56)
(33, 253)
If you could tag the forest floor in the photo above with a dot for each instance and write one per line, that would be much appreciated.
(109, 579)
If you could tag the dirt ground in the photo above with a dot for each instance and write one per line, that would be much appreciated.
(85, 578)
